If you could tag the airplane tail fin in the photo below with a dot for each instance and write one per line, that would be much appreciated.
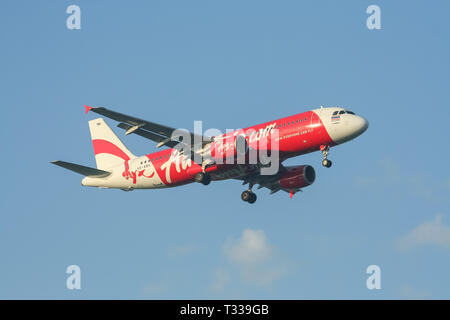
(109, 150)
(85, 171)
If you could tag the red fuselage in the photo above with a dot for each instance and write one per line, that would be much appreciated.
(298, 134)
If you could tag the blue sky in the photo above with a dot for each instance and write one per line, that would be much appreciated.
(230, 64)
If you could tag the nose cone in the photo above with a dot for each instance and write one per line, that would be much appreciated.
(359, 125)
(342, 125)
(351, 128)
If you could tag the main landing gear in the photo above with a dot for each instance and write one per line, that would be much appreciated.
(203, 178)
(325, 162)
(248, 195)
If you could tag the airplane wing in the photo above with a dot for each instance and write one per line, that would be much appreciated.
(267, 181)
(154, 131)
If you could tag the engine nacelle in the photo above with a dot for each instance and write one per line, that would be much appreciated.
(297, 177)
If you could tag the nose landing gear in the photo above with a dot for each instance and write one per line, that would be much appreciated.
(325, 162)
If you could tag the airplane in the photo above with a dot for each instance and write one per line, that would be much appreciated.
(201, 157)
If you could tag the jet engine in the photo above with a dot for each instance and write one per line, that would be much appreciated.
(297, 177)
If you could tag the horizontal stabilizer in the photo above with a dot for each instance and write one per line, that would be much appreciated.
(85, 171)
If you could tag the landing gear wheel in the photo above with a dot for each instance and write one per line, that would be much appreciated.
(248, 196)
(252, 198)
(245, 195)
(207, 179)
(327, 163)
(203, 178)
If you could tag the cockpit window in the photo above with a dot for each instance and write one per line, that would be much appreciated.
(350, 112)
(342, 112)
(335, 113)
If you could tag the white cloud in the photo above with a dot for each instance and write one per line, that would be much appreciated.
(255, 258)
(251, 248)
(221, 278)
(433, 232)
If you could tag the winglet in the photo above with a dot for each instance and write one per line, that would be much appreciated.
(291, 193)
(87, 108)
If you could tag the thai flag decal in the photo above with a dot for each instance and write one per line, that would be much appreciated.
(335, 118)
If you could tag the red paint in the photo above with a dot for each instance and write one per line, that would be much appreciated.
(160, 160)
(141, 174)
(103, 146)
(87, 108)
(297, 134)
